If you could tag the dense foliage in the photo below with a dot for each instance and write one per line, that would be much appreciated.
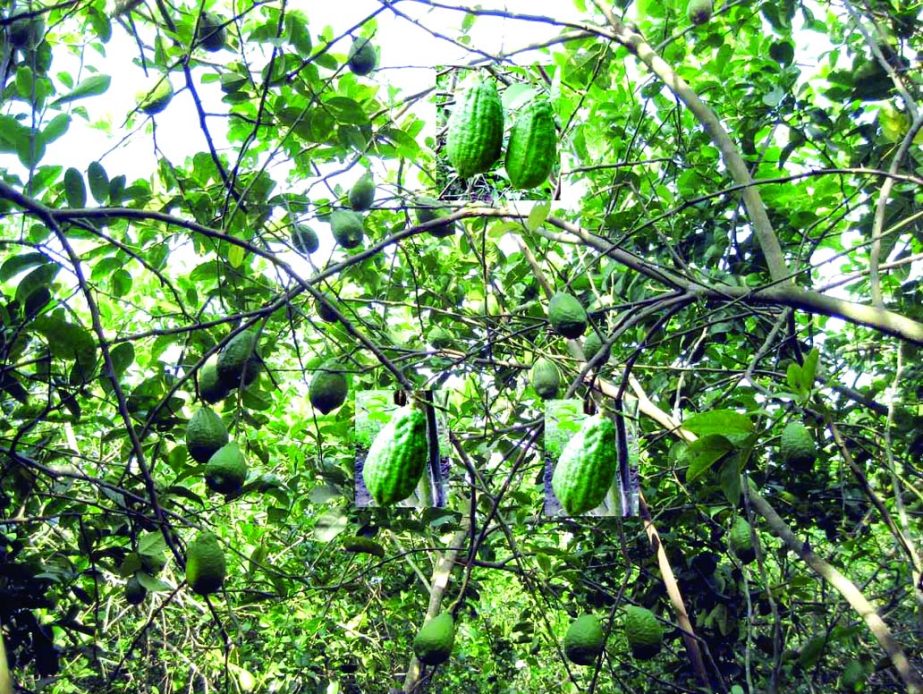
(736, 215)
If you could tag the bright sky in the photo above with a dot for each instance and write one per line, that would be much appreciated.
(407, 55)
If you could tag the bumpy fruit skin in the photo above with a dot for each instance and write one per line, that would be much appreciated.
(532, 149)
(699, 11)
(158, 99)
(206, 568)
(567, 316)
(328, 388)
(643, 631)
(359, 544)
(205, 434)
(210, 387)
(584, 640)
(591, 347)
(304, 239)
(362, 194)
(586, 467)
(239, 358)
(226, 470)
(797, 448)
(397, 457)
(212, 34)
(741, 542)
(362, 58)
(545, 378)
(475, 132)
(347, 227)
(429, 209)
(134, 591)
(433, 643)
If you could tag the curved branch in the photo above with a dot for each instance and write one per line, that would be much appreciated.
(822, 568)
(844, 587)
(881, 207)
(883, 320)
(440, 582)
(52, 216)
(762, 227)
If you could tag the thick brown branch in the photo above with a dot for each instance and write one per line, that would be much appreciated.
(844, 587)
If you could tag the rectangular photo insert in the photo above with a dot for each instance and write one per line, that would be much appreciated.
(498, 136)
(402, 449)
(581, 462)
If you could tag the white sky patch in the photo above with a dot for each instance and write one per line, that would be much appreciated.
(407, 56)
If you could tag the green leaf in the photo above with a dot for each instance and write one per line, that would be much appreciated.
(43, 178)
(809, 370)
(406, 145)
(329, 525)
(91, 86)
(99, 182)
(56, 127)
(24, 82)
(774, 97)
(9, 133)
(516, 95)
(152, 544)
(18, 263)
(232, 82)
(793, 377)
(729, 480)
(36, 301)
(347, 110)
(719, 422)
(75, 191)
(66, 340)
(812, 651)
(100, 23)
(42, 276)
(153, 585)
(236, 255)
(120, 282)
(254, 400)
(122, 355)
(257, 558)
(298, 33)
(537, 216)
(30, 147)
(704, 453)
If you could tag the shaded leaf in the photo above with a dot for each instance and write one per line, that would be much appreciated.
(91, 86)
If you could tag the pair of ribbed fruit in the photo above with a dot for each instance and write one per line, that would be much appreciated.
(474, 140)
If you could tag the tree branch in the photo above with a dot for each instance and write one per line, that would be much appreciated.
(844, 587)
(888, 322)
(762, 227)
(826, 571)
(440, 583)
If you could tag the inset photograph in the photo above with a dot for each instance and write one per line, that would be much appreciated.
(498, 134)
(581, 462)
(402, 449)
